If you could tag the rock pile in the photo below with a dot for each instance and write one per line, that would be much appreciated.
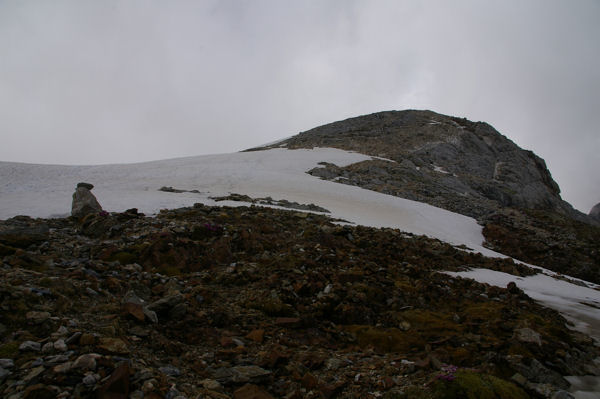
(211, 302)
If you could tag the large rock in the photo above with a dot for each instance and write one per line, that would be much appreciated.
(22, 231)
(84, 202)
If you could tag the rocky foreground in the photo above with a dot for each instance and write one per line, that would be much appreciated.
(213, 302)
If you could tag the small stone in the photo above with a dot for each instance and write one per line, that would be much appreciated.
(136, 395)
(48, 347)
(211, 385)
(30, 346)
(309, 381)
(287, 321)
(73, 338)
(113, 346)
(60, 333)
(87, 339)
(170, 371)
(562, 395)
(148, 385)
(150, 314)
(240, 374)
(63, 368)
(37, 317)
(60, 345)
(250, 391)
(135, 310)
(88, 186)
(34, 373)
(3, 373)
(334, 363)
(7, 363)
(86, 362)
(117, 385)
(89, 379)
(57, 359)
(527, 335)
(37, 362)
(519, 379)
(178, 311)
(39, 391)
(404, 325)
(256, 335)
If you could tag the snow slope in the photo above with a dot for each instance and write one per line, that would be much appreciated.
(45, 190)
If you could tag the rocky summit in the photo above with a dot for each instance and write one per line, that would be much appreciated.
(253, 302)
(469, 168)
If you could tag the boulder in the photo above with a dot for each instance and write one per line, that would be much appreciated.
(84, 202)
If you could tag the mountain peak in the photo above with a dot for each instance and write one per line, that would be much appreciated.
(442, 160)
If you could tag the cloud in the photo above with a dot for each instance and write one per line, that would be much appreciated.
(113, 81)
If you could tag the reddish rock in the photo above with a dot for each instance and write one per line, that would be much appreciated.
(309, 381)
(331, 390)
(275, 358)
(117, 385)
(133, 309)
(113, 346)
(256, 335)
(39, 391)
(250, 391)
(227, 342)
(87, 339)
(288, 321)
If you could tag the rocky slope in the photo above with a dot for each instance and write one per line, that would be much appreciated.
(212, 302)
(469, 168)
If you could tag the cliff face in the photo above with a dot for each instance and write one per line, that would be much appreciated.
(469, 168)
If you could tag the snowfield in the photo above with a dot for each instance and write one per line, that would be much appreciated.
(46, 190)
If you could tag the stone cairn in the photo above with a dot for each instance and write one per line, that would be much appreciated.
(84, 202)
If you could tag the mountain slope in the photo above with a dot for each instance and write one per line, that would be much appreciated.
(224, 302)
(469, 168)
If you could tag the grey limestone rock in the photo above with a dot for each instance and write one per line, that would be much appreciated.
(84, 202)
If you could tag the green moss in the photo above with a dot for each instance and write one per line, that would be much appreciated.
(432, 325)
(471, 385)
(169, 270)
(9, 350)
(273, 307)
(386, 339)
(123, 257)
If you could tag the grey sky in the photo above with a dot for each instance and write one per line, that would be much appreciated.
(87, 82)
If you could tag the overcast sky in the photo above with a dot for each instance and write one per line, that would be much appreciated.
(88, 82)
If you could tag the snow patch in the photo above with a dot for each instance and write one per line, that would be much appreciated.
(440, 169)
(577, 303)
